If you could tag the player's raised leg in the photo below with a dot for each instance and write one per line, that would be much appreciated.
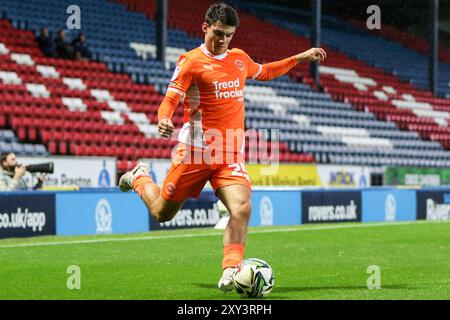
(140, 180)
(238, 200)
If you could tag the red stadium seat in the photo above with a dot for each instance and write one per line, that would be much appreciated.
(122, 165)
(62, 148)
(52, 147)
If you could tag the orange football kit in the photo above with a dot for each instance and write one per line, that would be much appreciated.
(212, 138)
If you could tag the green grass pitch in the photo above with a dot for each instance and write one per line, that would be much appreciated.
(309, 261)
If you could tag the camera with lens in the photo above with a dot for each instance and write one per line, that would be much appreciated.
(40, 167)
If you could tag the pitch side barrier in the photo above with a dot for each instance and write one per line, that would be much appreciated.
(93, 211)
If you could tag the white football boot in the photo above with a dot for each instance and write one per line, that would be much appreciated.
(226, 282)
(127, 179)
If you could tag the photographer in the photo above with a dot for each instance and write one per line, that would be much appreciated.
(11, 174)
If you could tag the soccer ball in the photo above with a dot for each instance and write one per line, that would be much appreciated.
(253, 278)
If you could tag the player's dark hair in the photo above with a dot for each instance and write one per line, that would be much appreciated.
(222, 12)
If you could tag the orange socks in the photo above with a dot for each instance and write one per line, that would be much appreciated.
(233, 253)
(140, 182)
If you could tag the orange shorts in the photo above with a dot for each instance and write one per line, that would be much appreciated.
(187, 178)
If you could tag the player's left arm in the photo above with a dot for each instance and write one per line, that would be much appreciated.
(272, 70)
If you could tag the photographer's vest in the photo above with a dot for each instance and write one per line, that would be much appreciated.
(6, 181)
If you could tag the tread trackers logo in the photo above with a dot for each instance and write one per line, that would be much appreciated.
(228, 89)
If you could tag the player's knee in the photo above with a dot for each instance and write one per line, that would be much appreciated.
(165, 211)
(163, 218)
(242, 208)
(164, 215)
(247, 209)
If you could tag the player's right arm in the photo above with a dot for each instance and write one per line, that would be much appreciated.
(179, 84)
(165, 113)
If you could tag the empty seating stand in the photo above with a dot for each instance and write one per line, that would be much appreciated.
(110, 108)
(81, 108)
(9, 143)
(357, 95)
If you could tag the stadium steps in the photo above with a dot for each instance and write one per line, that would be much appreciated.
(114, 49)
(261, 33)
(81, 108)
(372, 45)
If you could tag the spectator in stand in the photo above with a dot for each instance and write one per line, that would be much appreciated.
(45, 42)
(11, 174)
(80, 48)
(63, 48)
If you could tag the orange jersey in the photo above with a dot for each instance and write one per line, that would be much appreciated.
(213, 91)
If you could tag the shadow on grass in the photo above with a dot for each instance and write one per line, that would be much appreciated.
(206, 285)
(319, 288)
(280, 289)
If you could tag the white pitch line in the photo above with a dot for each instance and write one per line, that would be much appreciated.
(57, 243)
(300, 229)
